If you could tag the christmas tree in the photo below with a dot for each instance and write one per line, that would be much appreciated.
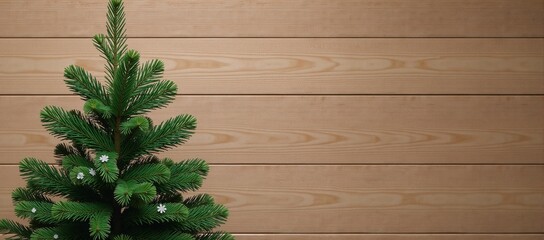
(108, 183)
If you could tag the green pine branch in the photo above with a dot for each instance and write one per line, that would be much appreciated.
(11, 227)
(215, 236)
(71, 161)
(180, 181)
(168, 134)
(149, 214)
(127, 191)
(185, 176)
(116, 37)
(123, 237)
(78, 211)
(194, 165)
(97, 108)
(65, 149)
(168, 197)
(99, 225)
(82, 175)
(75, 127)
(154, 172)
(61, 231)
(110, 184)
(123, 84)
(150, 72)
(43, 177)
(154, 96)
(35, 210)
(106, 166)
(198, 200)
(135, 123)
(204, 218)
(84, 84)
(145, 159)
(26, 194)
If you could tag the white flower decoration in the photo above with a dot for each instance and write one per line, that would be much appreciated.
(33, 210)
(80, 175)
(92, 171)
(104, 158)
(56, 236)
(161, 208)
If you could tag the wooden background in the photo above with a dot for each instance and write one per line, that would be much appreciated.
(322, 119)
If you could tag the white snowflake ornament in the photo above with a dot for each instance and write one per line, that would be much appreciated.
(33, 210)
(92, 171)
(161, 208)
(56, 236)
(80, 175)
(104, 158)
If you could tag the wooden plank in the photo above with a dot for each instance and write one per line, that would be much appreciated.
(280, 18)
(389, 236)
(369, 199)
(322, 129)
(296, 66)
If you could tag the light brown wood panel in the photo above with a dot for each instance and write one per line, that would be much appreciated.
(389, 236)
(368, 199)
(322, 129)
(296, 66)
(280, 18)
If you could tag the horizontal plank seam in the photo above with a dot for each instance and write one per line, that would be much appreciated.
(380, 164)
(400, 233)
(378, 234)
(392, 233)
(351, 164)
(443, 37)
(343, 233)
(311, 94)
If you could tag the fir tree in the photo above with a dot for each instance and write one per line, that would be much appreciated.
(109, 184)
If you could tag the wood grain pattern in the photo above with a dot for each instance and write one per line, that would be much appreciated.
(389, 236)
(369, 199)
(322, 129)
(296, 66)
(315, 159)
(280, 18)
